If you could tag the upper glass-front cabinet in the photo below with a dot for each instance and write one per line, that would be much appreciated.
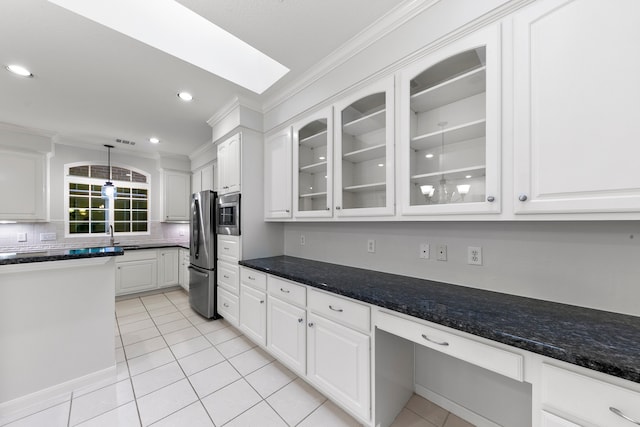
(364, 168)
(312, 154)
(450, 132)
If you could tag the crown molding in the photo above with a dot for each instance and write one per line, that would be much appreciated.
(28, 130)
(365, 38)
(235, 102)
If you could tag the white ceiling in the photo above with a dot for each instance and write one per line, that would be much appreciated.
(93, 84)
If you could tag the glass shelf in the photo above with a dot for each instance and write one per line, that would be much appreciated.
(366, 124)
(460, 87)
(377, 186)
(316, 140)
(314, 168)
(463, 132)
(369, 153)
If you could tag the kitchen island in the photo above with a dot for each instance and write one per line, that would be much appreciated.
(56, 322)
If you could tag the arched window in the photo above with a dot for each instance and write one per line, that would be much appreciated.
(88, 213)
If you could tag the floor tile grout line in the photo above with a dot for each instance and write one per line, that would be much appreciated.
(133, 390)
(317, 408)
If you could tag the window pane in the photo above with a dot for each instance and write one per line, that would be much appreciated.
(139, 215)
(78, 202)
(121, 227)
(120, 174)
(139, 192)
(78, 215)
(79, 171)
(138, 177)
(98, 203)
(98, 227)
(123, 192)
(122, 204)
(121, 215)
(98, 215)
(139, 204)
(79, 189)
(75, 228)
(139, 226)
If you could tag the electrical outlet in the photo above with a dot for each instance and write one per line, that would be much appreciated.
(423, 251)
(302, 240)
(474, 255)
(22, 237)
(45, 237)
(371, 246)
(442, 252)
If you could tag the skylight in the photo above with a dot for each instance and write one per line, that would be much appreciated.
(174, 29)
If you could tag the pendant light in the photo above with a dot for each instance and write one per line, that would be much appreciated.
(443, 193)
(108, 189)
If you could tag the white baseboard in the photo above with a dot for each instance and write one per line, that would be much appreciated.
(454, 408)
(25, 405)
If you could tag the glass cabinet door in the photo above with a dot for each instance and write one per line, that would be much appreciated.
(364, 152)
(313, 148)
(451, 129)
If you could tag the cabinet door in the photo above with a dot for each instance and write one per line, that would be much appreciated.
(229, 165)
(338, 363)
(206, 177)
(168, 268)
(277, 176)
(183, 268)
(364, 161)
(23, 188)
(576, 107)
(312, 165)
(228, 306)
(196, 182)
(222, 153)
(253, 314)
(176, 196)
(450, 129)
(136, 276)
(550, 420)
(286, 334)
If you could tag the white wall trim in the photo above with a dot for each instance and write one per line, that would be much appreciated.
(454, 408)
(234, 103)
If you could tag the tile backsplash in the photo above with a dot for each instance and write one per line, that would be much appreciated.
(160, 233)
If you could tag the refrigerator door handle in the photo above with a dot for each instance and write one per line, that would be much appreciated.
(196, 228)
(194, 270)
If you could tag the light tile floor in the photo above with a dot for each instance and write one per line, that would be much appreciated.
(175, 368)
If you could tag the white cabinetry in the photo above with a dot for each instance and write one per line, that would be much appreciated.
(183, 268)
(253, 305)
(286, 323)
(312, 165)
(229, 172)
(338, 357)
(277, 176)
(176, 196)
(450, 127)
(168, 267)
(228, 276)
(576, 126)
(203, 179)
(136, 271)
(550, 420)
(588, 401)
(23, 186)
(364, 163)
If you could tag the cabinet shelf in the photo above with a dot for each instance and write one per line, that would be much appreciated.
(463, 132)
(314, 168)
(451, 174)
(316, 140)
(313, 195)
(455, 89)
(366, 124)
(369, 153)
(376, 186)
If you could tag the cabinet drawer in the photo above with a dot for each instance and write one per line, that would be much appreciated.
(228, 277)
(253, 278)
(228, 306)
(287, 291)
(588, 399)
(137, 255)
(486, 356)
(229, 248)
(347, 312)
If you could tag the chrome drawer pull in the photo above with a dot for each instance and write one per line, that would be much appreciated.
(339, 310)
(444, 343)
(251, 278)
(225, 304)
(286, 291)
(619, 413)
(225, 276)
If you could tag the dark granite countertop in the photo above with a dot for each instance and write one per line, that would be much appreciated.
(133, 247)
(599, 340)
(59, 254)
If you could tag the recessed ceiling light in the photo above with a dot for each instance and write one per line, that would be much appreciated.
(201, 42)
(468, 176)
(154, 140)
(185, 96)
(322, 157)
(429, 156)
(19, 70)
(380, 165)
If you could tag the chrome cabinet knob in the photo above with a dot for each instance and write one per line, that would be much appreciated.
(491, 199)
(338, 208)
(287, 210)
(310, 324)
(300, 320)
(328, 209)
(522, 197)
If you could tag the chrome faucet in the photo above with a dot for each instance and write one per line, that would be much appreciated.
(111, 240)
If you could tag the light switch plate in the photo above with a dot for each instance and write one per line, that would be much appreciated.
(22, 237)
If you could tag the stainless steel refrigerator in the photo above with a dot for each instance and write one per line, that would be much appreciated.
(202, 250)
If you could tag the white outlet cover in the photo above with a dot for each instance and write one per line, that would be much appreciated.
(423, 251)
(474, 255)
(371, 246)
(22, 237)
(442, 253)
(303, 240)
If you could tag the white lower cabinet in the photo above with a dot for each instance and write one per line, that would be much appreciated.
(550, 420)
(136, 272)
(183, 268)
(228, 306)
(253, 313)
(338, 363)
(287, 334)
(168, 267)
